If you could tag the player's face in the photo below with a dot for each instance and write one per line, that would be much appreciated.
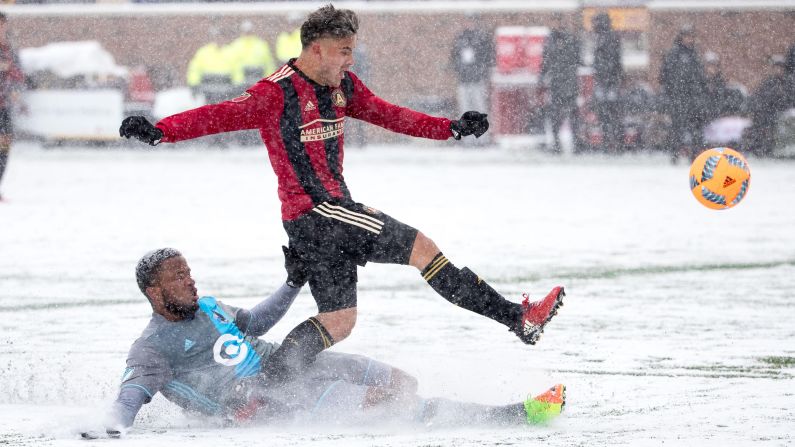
(336, 57)
(176, 288)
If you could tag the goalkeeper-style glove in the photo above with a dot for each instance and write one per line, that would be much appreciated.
(111, 433)
(471, 123)
(140, 128)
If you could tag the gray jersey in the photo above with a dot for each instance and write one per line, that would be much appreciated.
(196, 363)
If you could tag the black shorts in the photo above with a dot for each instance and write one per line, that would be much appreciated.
(334, 239)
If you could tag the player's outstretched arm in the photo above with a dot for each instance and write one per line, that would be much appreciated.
(247, 111)
(366, 106)
(262, 317)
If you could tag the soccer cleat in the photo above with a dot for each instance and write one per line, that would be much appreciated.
(537, 314)
(546, 406)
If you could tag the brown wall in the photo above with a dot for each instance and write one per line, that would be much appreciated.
(409, 52)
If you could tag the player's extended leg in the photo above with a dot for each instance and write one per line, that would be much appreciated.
(331, 401)
(355, 389)
(465, 289)
(344, 402)
(535, 410)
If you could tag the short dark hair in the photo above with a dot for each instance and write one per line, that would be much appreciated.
(329, 21)
(149, 266)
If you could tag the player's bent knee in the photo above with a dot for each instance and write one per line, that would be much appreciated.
(339, 323)
(423, 251)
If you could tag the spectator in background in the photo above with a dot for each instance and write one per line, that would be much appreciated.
(772, 97)
(11, 83)
(716, 92)
(789, 64)
(288, 43)
(723, 98)
(608, 75)
(250, 57)
(472, 57)
(559, 64)
(210, 70)
(684, 85)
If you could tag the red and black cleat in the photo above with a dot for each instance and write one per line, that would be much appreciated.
(537, 314)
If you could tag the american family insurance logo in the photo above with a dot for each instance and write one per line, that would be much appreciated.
(322, 129)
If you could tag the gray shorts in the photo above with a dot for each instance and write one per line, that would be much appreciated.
(333, 389)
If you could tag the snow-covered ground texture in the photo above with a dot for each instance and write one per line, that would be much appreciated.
(677, 328)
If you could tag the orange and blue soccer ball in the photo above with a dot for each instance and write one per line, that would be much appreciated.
(719, 178)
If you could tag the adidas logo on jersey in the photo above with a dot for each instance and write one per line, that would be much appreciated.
(309, 107)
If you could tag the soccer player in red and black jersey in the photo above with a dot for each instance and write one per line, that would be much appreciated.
(300, 111)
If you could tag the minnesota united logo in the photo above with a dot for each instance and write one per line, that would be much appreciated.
(338, 98)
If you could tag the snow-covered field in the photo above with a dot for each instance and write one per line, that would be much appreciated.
(677, 328)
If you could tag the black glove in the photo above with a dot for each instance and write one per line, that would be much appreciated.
(140, 128)
(109, 433)
(471, 123)
(295, 266)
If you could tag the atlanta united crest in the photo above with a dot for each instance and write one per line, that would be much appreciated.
(338, 98)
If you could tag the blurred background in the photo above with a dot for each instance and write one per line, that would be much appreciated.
(560, 76)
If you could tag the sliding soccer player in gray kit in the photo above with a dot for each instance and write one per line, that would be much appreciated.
(206, 357)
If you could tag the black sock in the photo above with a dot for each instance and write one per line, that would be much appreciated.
(464, 289)
(298, 351)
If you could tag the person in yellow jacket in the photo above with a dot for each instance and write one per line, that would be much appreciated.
(250, 57)
(288, 43)
(209, 60)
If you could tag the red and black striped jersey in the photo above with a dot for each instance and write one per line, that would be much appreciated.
(302, 123)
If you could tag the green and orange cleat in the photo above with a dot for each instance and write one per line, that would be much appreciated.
(546, 406)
